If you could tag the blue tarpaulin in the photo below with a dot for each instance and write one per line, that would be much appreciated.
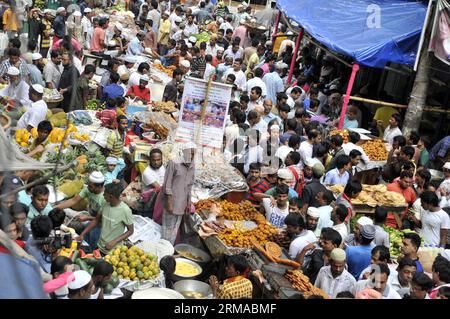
(372, 32)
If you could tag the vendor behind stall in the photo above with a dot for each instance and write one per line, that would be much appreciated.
(40, 143)
(17, 89)
(140, 92)
(37, 111)
(116, 141)
(236, 286)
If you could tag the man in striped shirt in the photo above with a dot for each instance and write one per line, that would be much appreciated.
(258, 185)
(46, 30)
(116, 140)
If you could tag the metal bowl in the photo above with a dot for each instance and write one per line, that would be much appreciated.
(157, 293)
(203, 257)
(193, 263)
(190, 288)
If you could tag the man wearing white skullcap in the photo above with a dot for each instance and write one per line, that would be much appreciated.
(35, 69)
(353, 239)
(93, 193)
(176, 191)
(80, 285)
(312, 218)
(113, 167)
(334, 278)
(17, 88)
(59, 24)
(37, 112)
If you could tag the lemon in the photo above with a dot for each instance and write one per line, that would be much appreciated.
(126, 278)
(132, 274)
(24, 144)
(144, 270)
(124, 248)
(126, 273)
(114, 274)
(124, 259)
(117, 252)
(143, 258)
(119, 270)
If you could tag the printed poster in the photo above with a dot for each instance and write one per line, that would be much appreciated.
(209, 132)
(440, 35)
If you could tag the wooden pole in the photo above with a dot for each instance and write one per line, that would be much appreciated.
(294, 56)
(355, 69)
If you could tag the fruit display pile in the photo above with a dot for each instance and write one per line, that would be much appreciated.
(395, 239)
(230, 211)
(169, 70)
(375, 150)
(133, 263)
(373, 195)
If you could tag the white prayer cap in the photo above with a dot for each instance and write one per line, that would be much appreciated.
(38, 88)
(111, 160)
(12, 70)
(189, 146)
(87, 10)
(36, 56)
(178, 19)
(364, 221)
(310, 162)
(289, 33)
(119, 26)
(130, 59)
(446, 165)
(275, 127)
(220, 49)
(145, 78)
(313, 212)
(60, 9)
(79, 280)
(77, 14)
(446, 254)
(96, 177)
(186, 63)
(285, 174)
(281, 66)
(242, 21)
(192, 39)
(47, 11)
(189, 45)
(338, 254)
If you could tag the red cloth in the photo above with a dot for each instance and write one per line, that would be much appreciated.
(108, 118)
(408, 194)
(137, 92)
(3, 249)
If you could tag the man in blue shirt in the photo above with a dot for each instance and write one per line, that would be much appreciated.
(411, 244)
(135, 47)
(59, 24)
(39, 203)
(358, 257)
(339, 175)
(113, 90)
(274, 83)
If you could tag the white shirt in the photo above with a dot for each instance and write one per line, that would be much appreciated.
(432, 223)
(342, 230)
(18, 93)
(190, 29)
(87, 28)
(324, 219)
(284, 44)
(333, 286)
(211, 50)
(241, 79)
(134, 79)
(253, 154)
(256, 82)
(151, 175)
(232, 133)
(35, 114)
(390, 133)
(225, 26)
(348, 147)
(306, 151)
(388, 293)
(395, 284)
(261, 126)
(283, 151)
(275, 215)
(209, 70)
(305, 238)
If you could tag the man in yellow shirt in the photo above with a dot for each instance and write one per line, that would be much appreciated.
(10, 23)
(163, 36)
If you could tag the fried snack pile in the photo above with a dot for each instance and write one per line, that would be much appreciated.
(343, 133)
(375, 150)
(374, 195)
(300, 282)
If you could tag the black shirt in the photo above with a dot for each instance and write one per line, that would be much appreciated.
(314, 265)
(68, 81)
(310, 191)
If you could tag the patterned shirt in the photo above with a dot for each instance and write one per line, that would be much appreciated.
(440, 148)
(236, 288)
(261, 187)
(23, 68)
(45, 35)
(115, 144)
(333, 286)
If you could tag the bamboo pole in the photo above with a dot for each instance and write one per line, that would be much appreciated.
(428, 108)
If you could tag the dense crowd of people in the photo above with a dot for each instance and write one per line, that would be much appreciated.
(276, 136)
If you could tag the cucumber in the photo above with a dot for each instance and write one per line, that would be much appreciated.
(93, 261)
(83, 265)
(75, 256)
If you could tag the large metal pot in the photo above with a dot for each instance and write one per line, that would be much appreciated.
(193, 289)
(192, 253)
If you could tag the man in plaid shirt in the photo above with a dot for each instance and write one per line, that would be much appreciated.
(14, 60)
